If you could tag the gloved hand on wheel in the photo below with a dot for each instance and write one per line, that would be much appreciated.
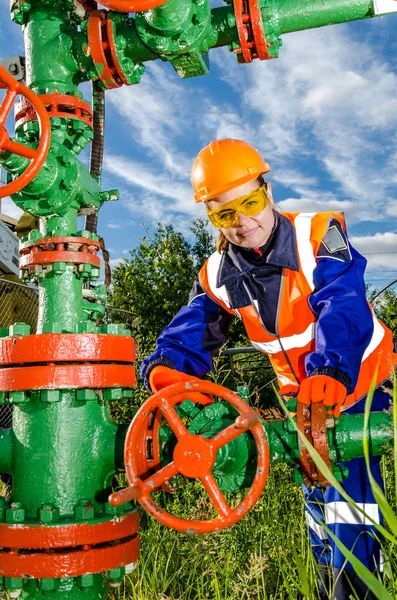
(161, 377)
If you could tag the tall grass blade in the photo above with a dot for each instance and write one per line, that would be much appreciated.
(377, 491)
(304, 580)
(365, 574)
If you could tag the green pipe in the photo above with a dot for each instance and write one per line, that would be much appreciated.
(60, 301)
(50, 64)
(58, 226)
(296, 15)
(63, 451)
(347, 437)
(5, 450)
(169, 18)
(224, 30)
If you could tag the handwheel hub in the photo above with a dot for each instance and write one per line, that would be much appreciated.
(194, 456)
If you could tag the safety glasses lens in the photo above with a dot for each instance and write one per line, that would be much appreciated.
(251, 204)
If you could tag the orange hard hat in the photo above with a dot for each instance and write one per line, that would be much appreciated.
(223, 165)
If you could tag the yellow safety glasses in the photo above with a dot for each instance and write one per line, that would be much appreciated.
(251, 204)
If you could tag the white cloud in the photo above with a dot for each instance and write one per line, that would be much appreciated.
(152, 189)
(329, 99)
(380, 250)
(152, 113)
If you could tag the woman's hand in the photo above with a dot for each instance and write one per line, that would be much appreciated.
(322, 388)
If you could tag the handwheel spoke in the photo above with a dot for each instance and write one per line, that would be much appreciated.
(218, 499)
(225, 436)
(6, 105)
(157, 480)
(20, 149)
(173, 418)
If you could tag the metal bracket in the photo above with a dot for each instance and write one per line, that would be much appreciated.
(15, 66)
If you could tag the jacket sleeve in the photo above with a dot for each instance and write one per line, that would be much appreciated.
(344, 325)
(193, 337)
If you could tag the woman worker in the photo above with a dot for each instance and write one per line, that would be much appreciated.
(298, 286)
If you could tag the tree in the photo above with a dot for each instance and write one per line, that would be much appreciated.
(385, 307)
(154, 283)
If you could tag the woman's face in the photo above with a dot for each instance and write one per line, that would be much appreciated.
(253, 231)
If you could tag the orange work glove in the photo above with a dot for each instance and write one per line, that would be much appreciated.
(160, 377)
(321, 388)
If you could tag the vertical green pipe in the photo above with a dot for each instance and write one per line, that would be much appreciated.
(60, 290)
(64, 451)
(50, 64)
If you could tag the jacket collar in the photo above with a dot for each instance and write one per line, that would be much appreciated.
(280, 251)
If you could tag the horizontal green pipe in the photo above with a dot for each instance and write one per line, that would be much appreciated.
(349, 433)
(5, 450)
(296, 15)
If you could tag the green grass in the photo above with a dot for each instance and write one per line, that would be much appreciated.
(266, 556)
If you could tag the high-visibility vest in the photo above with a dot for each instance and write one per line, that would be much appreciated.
(296, 321)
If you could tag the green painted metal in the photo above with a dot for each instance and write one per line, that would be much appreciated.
(235, 463)
(5, 450)
(92, 587)
(48, 37)
(51, 424)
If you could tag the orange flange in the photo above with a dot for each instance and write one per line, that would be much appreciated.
(42, 258)
(250, 31)
(68, 243)
(36, 155)
(194, 457)
(320, 423)
(312, 421)
(97, 31)
(75, 376)
(69, 564)
(257, 30)
(75, 250)
(66, 347)
(113, 52)
(57, 105)
(68, 535)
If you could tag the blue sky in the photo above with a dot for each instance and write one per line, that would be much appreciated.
(324, 115)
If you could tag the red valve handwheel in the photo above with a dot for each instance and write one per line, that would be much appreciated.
(128, 6)
(194, 457)
(37, 155)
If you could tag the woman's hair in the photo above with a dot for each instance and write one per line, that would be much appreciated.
(222, 242)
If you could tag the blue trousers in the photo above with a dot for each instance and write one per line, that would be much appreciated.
(350, 526)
